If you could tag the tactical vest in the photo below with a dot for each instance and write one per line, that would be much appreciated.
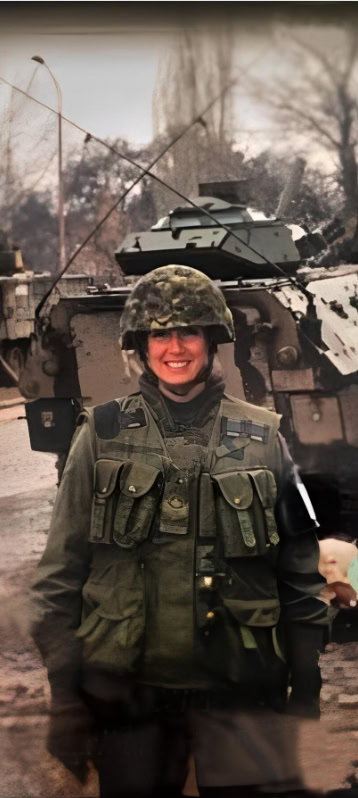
(182, 590)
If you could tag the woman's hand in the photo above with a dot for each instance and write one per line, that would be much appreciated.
(342, 591)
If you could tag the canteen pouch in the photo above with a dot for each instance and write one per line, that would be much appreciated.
(106, 474)
(140, 490)
(245, 512)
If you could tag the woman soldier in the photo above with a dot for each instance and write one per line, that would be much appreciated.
(177, 593)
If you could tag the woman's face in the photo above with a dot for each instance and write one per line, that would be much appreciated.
(177, 356)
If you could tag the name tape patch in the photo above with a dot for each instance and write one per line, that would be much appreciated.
(244, 428)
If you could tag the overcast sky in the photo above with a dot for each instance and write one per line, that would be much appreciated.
(107, 81)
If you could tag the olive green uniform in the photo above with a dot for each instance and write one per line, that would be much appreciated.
(165, 568)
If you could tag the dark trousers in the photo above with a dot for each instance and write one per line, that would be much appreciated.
(144, 746)
(151, 761)
(143, 760)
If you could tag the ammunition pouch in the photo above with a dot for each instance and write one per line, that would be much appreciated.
(245, 512)
(238, 606)
(104, 500)
(126, 496)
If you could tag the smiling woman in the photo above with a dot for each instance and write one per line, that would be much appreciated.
(180, 559)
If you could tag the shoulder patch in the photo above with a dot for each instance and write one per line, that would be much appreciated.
(107, 420)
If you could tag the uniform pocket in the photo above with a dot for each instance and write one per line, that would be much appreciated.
(244, 512)
(113, 633)
(242, 646)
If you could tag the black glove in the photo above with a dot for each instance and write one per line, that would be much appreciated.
(71, 737)
(304, 643)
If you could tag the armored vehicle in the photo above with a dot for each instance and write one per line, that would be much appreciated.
(296, 348)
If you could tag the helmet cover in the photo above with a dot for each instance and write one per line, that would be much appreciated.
(175, 296)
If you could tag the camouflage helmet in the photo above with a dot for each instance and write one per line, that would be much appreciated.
(175, 296)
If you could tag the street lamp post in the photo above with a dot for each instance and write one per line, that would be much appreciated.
(61, 218)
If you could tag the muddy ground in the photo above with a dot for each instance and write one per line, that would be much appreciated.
(329, 749)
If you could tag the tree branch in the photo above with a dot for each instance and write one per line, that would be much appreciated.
(311, 121)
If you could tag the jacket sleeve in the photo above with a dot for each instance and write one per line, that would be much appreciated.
(303, 616)
(299, 580)
(63, 569)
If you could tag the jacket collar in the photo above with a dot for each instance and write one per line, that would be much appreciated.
(202, 410)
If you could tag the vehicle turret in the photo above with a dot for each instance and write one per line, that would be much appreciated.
(234, 240)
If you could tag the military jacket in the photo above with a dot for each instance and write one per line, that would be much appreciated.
(164, 560)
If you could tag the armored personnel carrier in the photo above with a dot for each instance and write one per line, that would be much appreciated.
(296, 348)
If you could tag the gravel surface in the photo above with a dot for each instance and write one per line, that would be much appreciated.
(329, 748)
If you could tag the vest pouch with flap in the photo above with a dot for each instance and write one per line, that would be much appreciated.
(106, 475)
(140, 491)
(240, 513)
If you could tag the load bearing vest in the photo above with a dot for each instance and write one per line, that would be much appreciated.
(210, 507)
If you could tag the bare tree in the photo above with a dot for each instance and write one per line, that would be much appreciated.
(9, 184)
(94, 180)
(26, 153)
(317, 97)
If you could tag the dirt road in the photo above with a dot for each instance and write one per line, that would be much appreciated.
(27, 492)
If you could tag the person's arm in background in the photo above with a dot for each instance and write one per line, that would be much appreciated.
(304, 616)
